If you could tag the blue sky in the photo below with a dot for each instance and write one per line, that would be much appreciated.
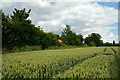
(113, 5)
(115, 31)
(109, 4)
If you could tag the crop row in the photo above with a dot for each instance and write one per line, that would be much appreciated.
(101, 66)
(44, 64)
(110, 51)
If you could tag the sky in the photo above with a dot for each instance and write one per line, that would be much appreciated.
(83, 17)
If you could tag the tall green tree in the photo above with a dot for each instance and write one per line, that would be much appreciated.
(71, 38)
(0, 30)
(113, 42)
(92, 44)
(21, 16)
(6, 27)
(95, 38)
(66, 34)
(49, 39)
(80, 37)
(18, 30)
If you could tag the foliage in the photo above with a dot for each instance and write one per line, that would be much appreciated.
(22, 49)
(71, 38)
(18, 31)
(92, 44)
(107, 44)
(63, 47)
(67, 32)
(84, 44)
(113, 42)
(49, 39)
(94, 37)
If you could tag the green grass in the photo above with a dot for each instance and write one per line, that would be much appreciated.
(21, 49)
(63, 47)
(97, 67)
(48, 63)
(35, 48)
(0, 66)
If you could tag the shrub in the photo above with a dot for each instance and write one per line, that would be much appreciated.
(84, 44)
(63, 45)
(22, 49)
(92, 44)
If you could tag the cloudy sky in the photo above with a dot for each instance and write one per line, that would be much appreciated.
(83, 17)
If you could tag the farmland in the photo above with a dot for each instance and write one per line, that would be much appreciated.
(87, 62)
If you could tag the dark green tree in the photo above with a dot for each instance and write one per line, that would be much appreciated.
(94, 37)
(6, 27)
(107, 44)
(113, 42)
(66, 34)
(18, 31)
(76, 39)
(101, 42)
(49, 39)
(71, 38)
(88, 40)
(92, 44)
(80, 37)
(21, 16)
(0, 30)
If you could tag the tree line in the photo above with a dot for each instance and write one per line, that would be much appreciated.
(18, 31)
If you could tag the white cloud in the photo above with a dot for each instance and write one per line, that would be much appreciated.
(43, 3)
(87, 30)
(84, 18)
(41, 22)
(59, 0)
(51, 22)
(106, 33)
(110, 38)
(110, 28)
(54, 22)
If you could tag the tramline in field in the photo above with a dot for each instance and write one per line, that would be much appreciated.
(59, 63)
